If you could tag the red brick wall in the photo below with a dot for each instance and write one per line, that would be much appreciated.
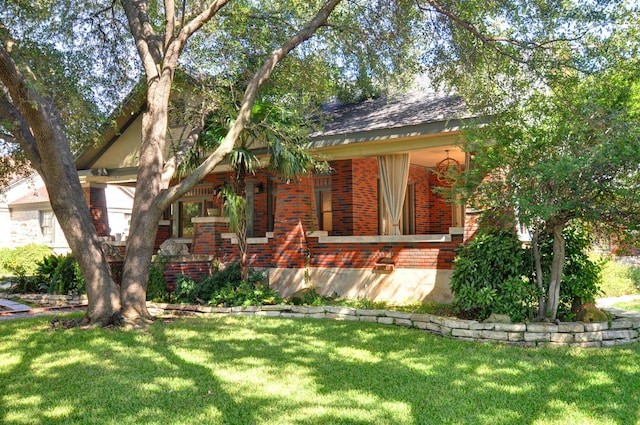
(294, 216)
(440, 211)
(355, 213)
(414, 255)
(197, 270)
(207, 239)
(96, 198)
(260, 216)
(419, 176)
(365, 196)
(341, 197)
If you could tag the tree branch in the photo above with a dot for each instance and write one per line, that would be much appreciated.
(494, 41)
(244, 114)
(149, 46)
(170, 15)
(196, 23)
(17, 87)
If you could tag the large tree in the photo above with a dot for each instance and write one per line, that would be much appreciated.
(228, 41)
(247, 41)
(571, 154)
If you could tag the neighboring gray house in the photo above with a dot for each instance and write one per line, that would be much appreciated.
(26, 215)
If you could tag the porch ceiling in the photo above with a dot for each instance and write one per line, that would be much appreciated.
(431, 157)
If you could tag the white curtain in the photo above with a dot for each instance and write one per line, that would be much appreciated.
(394, 173)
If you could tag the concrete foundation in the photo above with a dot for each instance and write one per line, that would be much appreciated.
(397, 286)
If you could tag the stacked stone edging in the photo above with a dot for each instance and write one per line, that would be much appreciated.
(48, 299)
(618, 331)
(624, 328)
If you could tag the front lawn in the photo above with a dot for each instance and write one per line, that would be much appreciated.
(628, 305)
(251, 370)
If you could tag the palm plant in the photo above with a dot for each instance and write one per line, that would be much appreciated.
(278, 128)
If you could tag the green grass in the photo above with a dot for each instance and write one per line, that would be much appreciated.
(629, 306)
(620, 279)
(250, 370)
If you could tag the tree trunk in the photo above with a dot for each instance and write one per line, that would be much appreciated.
(241, 192)
(39, 130)
(557, 265)
(537, 260)
(148, 205)
(74, 217)
(153, 194)
(137, 262)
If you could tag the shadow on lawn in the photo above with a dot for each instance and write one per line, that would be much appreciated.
(237, 371)
(439, 380)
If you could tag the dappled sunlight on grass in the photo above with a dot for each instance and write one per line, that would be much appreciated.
(353, 407)
(51, 365)
(250, 370)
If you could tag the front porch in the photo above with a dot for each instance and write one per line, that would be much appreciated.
(329, 232)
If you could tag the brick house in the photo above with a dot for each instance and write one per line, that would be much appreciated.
(349, 232)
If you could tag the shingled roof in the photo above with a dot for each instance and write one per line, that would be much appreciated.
(410, 109)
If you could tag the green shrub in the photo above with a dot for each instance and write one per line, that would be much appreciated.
(60, 274)
(185, 290)
(246, 294)
(68, 278)
(23, 260)
(225, 287)
(633, 273)
(491, 275)
(157, 286)
(26, 284)
(5, 256)
(618, 278)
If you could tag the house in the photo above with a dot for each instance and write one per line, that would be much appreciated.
(26, 215)
(375, 227)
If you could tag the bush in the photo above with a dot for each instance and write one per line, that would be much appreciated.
(22, 261)
(617, 278)
(157, 286)
(491, 274)
(5, 256)
(225, 287)
(60, 274)
(246, 294)
(633, 273)
(185, 290)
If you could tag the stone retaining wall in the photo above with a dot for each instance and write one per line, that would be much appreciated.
(48, 299)
(624, 328)
(620, 330)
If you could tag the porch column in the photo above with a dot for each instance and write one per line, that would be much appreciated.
(394, 174)
(295, 215)
(96, 197)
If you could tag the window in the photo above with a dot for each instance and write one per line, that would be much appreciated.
(326, 213)
(322, 184)
(189, 210)
(46, 225)
(127, 225)
(192, 204)
(407, 220)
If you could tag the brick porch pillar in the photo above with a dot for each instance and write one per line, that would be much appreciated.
(295, 215)
(96, 198)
